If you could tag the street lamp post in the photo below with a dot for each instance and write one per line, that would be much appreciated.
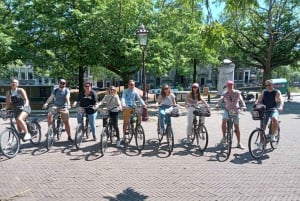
(142, 35)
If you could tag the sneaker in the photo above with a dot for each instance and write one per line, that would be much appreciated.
(223, 140)
(118, 143)
(27, 136)
(70, 139)
(240, 146)
(94, 138)
(273, 138)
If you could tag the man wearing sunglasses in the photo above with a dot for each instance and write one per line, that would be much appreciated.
(61, 96)
(269, 97)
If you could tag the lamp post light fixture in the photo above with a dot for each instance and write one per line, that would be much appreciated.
(142, 36)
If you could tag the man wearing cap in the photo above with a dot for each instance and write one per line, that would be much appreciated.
(61, 96)
(232, 99)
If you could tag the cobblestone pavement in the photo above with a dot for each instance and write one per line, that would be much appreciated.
(66, 174)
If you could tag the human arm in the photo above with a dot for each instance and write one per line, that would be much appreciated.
(8, 101)
(259, 99)
(279, 99)
(24, 96)
(241, 100)
(220, 101)
(51, 97)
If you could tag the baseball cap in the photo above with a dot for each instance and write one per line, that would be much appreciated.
(62, 81)
(229, 83)
(195, 85)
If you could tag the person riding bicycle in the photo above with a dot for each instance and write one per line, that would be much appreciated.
(16, 98)
(129, 98)
(269, 97)
(61, 96)
(165, 100)
(88, 100)
(193, 98)
(232, 99)
(114, 104)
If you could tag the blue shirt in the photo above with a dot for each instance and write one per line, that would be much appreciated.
(130, 96)
(60, 96)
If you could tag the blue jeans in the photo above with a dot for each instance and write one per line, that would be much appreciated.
(163, 118)
(270, 114)
(92, 121)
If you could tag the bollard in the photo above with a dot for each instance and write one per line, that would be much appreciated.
(256, 96)
(208, 98)
(288, 95)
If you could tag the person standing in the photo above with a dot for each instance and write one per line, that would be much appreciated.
(232, 99)
(88, 100)
(128, 100)
(61, 96)
(16, 98)
(193, 98)
(269, 97)
(114, 106)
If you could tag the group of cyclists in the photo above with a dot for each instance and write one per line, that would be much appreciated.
(231, 99)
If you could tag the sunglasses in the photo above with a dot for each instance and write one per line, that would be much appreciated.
(62, 83)
(166, 88)
(87, 86)
(268, 85)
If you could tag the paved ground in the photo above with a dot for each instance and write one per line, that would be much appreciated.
(67, 174)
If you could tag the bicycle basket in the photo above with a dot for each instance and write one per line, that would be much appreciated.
(258, 113)
(202, 111)
(173, 111)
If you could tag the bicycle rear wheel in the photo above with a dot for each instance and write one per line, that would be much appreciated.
(170, 138)
(256, 143)
(35, 132)
(49, 138)
(9, 143)
(274, 144)
(78, 136)
(103, 140)
(139, 137)
(201, 138)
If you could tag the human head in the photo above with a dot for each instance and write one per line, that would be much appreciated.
(62, 83)
(87, 85)
(165, 90)
(14, 83)
(195, 87)
(112, 89)
(131, 84)
(229, 84)
(269, 84)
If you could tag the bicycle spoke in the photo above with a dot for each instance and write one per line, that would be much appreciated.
(103, 140)
(140, 137)
(256, 143)
(35, 132)
(49, 138)
(201, 138)
(9, 143)
(78, 136)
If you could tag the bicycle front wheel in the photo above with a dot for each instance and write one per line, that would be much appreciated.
(78, 136)
(87, 129)
(103, 140)
(170, 138)
(139, 137)
(201, 138)
(49, 138)
(35, 132)
(226, 146)
(9, 143)
(274, 144)
(256, 143)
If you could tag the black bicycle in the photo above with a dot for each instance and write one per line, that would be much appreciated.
(226, 144)
(56, 127)
(108, 133)
(167, 132)
(258, 139)
(135, 129)
(10, 137)
(199, 135)
(83, 128)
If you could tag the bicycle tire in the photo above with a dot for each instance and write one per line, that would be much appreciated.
(226, 147)
(139, 137)
(112, 134)
(201, 138)
(170, 138)
(35, 132)
(159, 134)
(87, 129)
(256, 143)
(9, 143)
(274, 144)
(59, 128)
(49, 138)
(79, 136)
(103, 140)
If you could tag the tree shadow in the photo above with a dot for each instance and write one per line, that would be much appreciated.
(128, 194)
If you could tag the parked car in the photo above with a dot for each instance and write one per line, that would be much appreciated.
(2, 99)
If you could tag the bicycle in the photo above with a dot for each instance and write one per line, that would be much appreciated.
(135, 129)
(10, 137)
(83, 128)
(199, 133)
(258, 139)
(167, 131)
(56, 127)
(108, 133)
(227, 144)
